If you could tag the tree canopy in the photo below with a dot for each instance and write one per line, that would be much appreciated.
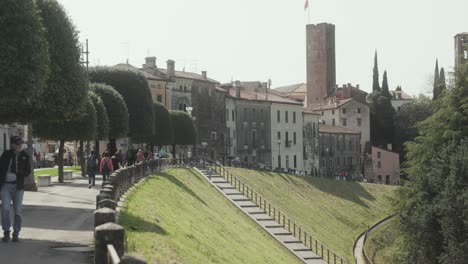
(67, 85)
(163, 126)
(134, 89)
(184, 130)
(432, 206)
(24, 60)
(116, 108)
(102, 120)
(381, 119)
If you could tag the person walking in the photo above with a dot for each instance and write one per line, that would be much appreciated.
(115, 162)
(210, 171)
(91, 165)
(106, 167)
(140, 156)
(15, 165)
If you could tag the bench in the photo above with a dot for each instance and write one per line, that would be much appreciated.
(68, 175)
(44, 180)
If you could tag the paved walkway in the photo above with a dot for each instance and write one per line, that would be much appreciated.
(57, 225)
(358, 256)
(264, 220)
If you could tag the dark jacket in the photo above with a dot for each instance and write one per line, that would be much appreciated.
(24, 167)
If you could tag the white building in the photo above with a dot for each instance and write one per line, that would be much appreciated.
(286, 135)
(400, 98)
(311, 150)
(231, 141)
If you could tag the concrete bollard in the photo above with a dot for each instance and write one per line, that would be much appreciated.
(107, 191)
(101, 197)
(128, 259)
(107, 203)
(110, 187)
(104, 215)
(105, 234)
(68, 175)
(104, 183)
(44, 180)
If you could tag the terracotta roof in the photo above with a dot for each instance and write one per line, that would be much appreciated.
(404, 96)
(294, 88)
(332, 106)
(189, 75)
(336, 130)
(254, 96)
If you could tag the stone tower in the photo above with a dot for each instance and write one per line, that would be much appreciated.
(321, 73)
(461, 46)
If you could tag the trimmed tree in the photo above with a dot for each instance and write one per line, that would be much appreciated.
(117, 112)
(81, 128)
(381, 119)
(102, 129)
(24, 60)
(183, 130)
(133, 87)
(163, 126)
(375, 75)
(64, 97)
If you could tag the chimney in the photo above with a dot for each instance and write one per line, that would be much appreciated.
(203, 73)
(349, 85)
(171, 67)
(264, 85)
(237, 86)
(357, 86)
(389, 147)
(150, 62)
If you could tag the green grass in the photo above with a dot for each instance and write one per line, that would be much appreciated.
(334, 212)
(54, 171)
(383, 244)
(177, 217)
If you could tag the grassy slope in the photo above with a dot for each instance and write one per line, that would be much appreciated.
(382, 245)
(54, 171)
(335, 212)
(178, 217)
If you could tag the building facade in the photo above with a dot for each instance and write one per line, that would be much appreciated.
(231, 140)
(320, 61)
(340, 152)
(461, 46)
(399, 98)
(286, 136)
(311, 150)
(385, 166)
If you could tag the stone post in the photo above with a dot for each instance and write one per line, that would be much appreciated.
(110, 187)
(107, 191)
(105, 234)
(103, 215)
(128, 259)
(101, 197)
(107, 203)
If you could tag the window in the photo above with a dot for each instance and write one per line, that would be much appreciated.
(185, 108)
(313, 128)
(324, 122)
(286, 116)
(344, 110)
(180, 87)
(278, 117)
(254, 137)
(180, 107)
(287, 139)
(359, 110)
(294, 117)
(295, 161)
(379, 154)
(359, 121)
(213, 135)
(159, 98)
(344, 122)
(333, 112)
(333, 121)
(294, 138)
(279, 135)
(399, 109)
(279, 161)
(387, 179)
(227, 114)
(379, 164)
(254, 114)
(380, 178)
(233, 116)
(185, 88)
(304, 152)
(322, 112)
(287, 161)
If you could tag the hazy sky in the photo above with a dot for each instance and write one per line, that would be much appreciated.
(252, 40)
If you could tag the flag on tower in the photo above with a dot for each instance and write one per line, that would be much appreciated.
(306, 4)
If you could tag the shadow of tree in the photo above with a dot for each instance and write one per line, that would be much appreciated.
(182, 185)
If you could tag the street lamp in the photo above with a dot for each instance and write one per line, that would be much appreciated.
(279, 154)
(189, 111)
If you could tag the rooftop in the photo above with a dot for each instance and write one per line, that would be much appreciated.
(335, 105)
(294, 88)
(404, 96)
(256, 96)
(336, 130)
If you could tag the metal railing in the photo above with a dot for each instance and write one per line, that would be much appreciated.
(278, 216)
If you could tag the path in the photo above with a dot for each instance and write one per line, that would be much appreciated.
(264, 220)
(57, 225)
(358, 256)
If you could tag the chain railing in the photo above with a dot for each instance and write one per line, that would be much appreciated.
(295, 229)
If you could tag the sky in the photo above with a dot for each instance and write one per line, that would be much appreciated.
(257, 40)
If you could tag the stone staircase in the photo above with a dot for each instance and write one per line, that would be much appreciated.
(275, 229)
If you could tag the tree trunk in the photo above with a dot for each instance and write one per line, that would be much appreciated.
(96, 147)
(60, 161)
(112, 146)
(82, 159)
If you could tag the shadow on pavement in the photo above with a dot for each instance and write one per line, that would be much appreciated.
(57, 218)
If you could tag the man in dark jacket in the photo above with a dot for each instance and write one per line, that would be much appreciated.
(15, 165)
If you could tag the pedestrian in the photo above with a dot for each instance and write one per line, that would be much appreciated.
(115, 162)
(69, 158)
(150, 155)
(106, 167)
(15, 165)
(140, 156)
(38, 159)
(210, 171)
(120, 156)
(91, 165)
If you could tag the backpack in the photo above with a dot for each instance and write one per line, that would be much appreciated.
(105, 167)
(91, 162)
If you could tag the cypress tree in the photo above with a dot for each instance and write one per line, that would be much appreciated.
(435, 90)
(375, 75)
(385, 90)
(442, 83)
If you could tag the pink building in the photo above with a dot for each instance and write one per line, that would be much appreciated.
(385, 166)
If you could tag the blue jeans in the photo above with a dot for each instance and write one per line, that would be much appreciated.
(11, 194)
(92, 176)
